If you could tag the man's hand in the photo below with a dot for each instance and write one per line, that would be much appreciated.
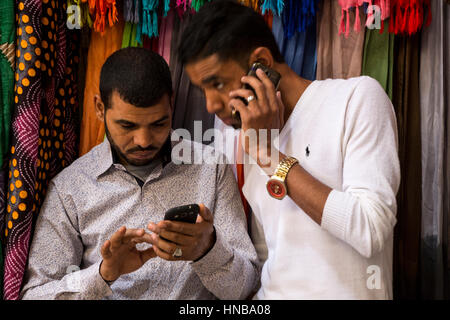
(194, 240)
(265, 112)
(120, 255)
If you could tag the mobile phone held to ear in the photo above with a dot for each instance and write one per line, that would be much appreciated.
(187, 213)
(273, 75)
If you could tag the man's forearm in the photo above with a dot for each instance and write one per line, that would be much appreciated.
(305, 190)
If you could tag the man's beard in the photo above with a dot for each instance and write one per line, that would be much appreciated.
(123, 157)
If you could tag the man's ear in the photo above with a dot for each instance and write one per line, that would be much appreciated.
(263, 56)
(99, 107)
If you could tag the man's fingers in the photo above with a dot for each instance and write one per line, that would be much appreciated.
(131, 234)
(166, 246)
(162, 254)
(176, 237)
(205, 214)
(280, 108)
(105, 250)
(260, 89)
(116, 239)
(184, 228)
(153, 227)
(241, 108)
(269, 88)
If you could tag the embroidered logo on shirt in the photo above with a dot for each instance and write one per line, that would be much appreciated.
(307, 151)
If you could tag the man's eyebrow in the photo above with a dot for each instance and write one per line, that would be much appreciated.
(210, 79)
(122, 121)
(160, 120)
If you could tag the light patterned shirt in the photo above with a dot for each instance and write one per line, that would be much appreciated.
(92, 198)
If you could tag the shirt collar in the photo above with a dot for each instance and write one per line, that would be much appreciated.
(106, 157)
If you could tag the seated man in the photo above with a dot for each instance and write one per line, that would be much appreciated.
(97, 209)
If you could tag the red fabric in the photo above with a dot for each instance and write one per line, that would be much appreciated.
(240, 175)
(408, 16)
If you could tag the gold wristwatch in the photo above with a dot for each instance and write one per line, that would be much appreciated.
(276, 185)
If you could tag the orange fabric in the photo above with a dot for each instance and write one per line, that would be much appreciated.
(100, 48)
(240, 178)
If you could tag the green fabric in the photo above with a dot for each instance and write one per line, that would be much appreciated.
(378, 57)
(7, 38)
(129, 36)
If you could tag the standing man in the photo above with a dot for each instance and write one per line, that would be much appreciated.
(87, 239)
(325, 199)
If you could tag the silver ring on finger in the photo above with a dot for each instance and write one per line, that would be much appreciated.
(177, 253)
(250, 98)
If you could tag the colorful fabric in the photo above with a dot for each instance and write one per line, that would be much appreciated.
(3, 181)
(92, 130)
(43, 124)
(103, 10)
(129, 35)
(7, 50)
(375, 8)
(275, 6)
(408, 16)
(378, 58)
(299, 51)
(298, 15)
(165, 36)
(337, 56)
(131, 11)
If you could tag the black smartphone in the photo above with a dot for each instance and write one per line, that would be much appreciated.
(273, 75)
(187, 213)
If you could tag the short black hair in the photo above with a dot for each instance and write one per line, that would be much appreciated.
(228, 29)
(140, 77)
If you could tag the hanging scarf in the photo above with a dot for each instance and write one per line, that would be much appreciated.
(131, 11)
(7, 60)
(409, 16)
(373, 5)
(276, 6)
(254, 4)
(129, 35)
(149, 25)
(197, 4)
(298, 15)
(43, 124)
(102, 10)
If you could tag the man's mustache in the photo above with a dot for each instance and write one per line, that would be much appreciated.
(137, 149)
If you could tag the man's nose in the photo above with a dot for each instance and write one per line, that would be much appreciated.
(214, 103)
(143, 138)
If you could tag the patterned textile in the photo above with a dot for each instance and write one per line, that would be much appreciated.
(43, 129)
(7, 48)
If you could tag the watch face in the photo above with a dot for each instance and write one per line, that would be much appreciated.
(276, 189)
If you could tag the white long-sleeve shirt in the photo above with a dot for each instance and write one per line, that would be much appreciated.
(344, 133)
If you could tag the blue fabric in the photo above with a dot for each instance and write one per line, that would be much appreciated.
(276, 6)
(298, 15)
(299, 50)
